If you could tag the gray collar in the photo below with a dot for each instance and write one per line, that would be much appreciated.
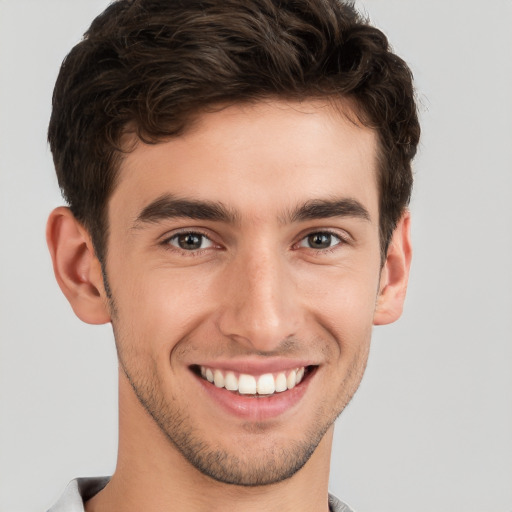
(80, 490)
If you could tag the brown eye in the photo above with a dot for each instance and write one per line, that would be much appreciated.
(190, 241)
(320, 240)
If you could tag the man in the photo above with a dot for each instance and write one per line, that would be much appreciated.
(238, 174)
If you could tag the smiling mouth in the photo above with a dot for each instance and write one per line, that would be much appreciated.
(266, 384)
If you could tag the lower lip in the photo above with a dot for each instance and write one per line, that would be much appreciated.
(255, 408)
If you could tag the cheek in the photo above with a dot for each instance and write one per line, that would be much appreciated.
(346, 298)
(345, 309)
(157, 309)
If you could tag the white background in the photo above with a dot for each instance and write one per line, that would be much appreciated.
(431, 426)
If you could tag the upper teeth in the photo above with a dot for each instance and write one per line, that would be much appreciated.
(246, 384)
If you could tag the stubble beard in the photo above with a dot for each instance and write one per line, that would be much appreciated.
(267, 466)
(272, 465)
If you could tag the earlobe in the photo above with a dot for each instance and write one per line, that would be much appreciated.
(76, 267)
(394, 274)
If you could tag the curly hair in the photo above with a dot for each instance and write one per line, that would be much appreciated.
(150, 66)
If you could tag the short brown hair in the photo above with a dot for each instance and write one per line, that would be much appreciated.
(149, 66)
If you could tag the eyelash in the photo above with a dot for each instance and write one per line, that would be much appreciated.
(166, 243)
(343, 240)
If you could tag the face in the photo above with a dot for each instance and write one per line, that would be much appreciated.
(244, 268)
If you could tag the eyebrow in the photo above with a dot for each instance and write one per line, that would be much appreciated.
(325, 208)
(170, 207)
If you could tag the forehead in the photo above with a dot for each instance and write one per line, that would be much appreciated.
(256, 158)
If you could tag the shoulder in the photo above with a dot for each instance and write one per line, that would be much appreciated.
(335, 505)
(77, 492)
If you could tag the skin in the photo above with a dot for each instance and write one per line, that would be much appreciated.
(256, 292)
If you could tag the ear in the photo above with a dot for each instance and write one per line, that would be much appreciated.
(76, 267)
(394, 274)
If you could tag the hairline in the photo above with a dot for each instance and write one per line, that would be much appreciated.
(348, 107)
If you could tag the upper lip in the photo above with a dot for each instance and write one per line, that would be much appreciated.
(257, 366)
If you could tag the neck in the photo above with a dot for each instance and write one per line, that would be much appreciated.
(152, 475)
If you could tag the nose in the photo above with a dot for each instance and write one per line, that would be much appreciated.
(260, 301)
